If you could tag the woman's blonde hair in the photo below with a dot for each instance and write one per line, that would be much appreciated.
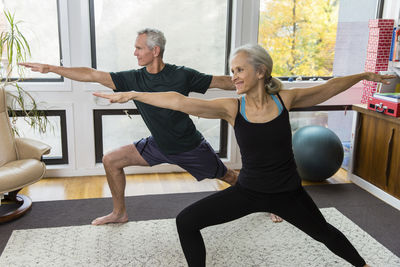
(258, 57)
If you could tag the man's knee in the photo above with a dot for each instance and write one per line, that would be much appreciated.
(116, 159)
(123, 157)
(108, 160)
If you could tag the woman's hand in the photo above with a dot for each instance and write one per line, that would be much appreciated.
(121, 97)
(380, 78)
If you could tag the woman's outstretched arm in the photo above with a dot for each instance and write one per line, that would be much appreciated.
(307, 97)
(219, 108)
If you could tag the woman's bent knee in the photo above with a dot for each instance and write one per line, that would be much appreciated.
(184, 222)
(180, 221)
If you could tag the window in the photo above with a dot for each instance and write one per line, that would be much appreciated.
(336, 118)
(116, 128)
(39, 24)
(55, 135)
(197, 41)
(300, 39)
(319, 42)
(212, 131)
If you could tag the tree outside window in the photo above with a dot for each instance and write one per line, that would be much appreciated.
(300, 35)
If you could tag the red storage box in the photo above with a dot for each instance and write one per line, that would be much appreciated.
(383, 106)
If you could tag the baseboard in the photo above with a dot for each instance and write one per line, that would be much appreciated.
(379, 193)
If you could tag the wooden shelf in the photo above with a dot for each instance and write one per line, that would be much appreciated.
(377, 154)
(362, 108)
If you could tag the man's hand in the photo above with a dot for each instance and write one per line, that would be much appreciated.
(81, 74)
(371, 76)
(122, 97)
(37, 67)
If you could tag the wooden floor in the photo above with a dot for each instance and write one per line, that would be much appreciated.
(138, 184)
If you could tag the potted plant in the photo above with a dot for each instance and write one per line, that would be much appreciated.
(14, 49)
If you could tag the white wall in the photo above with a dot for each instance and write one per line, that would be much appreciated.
(352, 35)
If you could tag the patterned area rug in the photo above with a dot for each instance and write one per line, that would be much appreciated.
(250, 241)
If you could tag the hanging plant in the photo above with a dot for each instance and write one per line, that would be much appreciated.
(14, 49)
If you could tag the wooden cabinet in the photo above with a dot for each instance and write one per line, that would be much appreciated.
(377, 150)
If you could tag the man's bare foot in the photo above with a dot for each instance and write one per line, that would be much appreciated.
(111, 218)
(230, 177)
(275, 218)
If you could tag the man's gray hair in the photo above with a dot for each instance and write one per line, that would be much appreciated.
(154, 38)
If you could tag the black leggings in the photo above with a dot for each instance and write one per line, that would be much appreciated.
(295, 207)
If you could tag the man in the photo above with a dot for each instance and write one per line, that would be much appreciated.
(174, 137)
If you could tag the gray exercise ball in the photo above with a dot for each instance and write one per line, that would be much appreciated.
(318, 152)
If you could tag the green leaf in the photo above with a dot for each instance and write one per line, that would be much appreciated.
(16, 47)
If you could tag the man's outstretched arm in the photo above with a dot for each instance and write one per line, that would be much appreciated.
(222, 82)
(82, 74)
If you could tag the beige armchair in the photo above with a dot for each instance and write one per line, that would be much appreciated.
(20, 164)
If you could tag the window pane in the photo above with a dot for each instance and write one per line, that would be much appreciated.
(51, 137)
(340, 122)
(120, 130)
(210, 129)
(195, 32)
(40, 27)
(301, 39)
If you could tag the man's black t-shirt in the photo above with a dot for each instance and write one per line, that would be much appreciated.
(173, 131)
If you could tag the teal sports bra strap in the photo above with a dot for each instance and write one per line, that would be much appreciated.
(243, 108)
(280, 108)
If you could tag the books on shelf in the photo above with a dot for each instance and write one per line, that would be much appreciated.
(394, 54)
(392, 44)
(392, 97)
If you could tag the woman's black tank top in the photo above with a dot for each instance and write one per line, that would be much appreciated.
(267, 157)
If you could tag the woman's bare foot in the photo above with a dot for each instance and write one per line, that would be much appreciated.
(111, 218)
(275, 218)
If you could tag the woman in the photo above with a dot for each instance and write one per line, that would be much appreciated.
(268, 180)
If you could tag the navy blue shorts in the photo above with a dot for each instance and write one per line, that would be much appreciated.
(201, 162)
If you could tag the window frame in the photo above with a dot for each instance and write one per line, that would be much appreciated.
(97, 113)
(379, 14)
(63, 131)
(60, 51)
(379, 9)
(92, 27)
(306, 78)
(324, 108)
